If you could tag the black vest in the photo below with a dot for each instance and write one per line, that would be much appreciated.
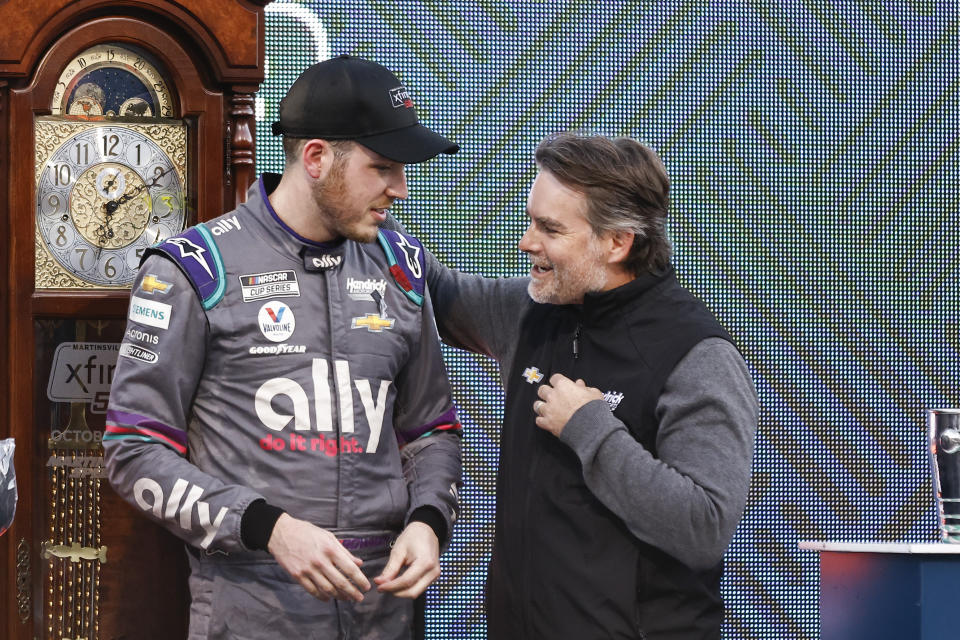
(564, 566)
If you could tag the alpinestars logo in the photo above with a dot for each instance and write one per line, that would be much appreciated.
(411, 254)
(190, 250)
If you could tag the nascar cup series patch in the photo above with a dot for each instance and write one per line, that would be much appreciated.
(272, 284)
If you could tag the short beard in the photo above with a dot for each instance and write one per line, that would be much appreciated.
(570, 285)
(327, 193)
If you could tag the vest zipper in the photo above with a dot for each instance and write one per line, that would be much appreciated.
(576, 343)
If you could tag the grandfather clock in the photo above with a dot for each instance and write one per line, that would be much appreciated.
(120, 123)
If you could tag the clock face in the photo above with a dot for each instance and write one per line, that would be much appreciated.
(105, 192)
(112, 80)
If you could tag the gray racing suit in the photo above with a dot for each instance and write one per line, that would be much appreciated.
(258, 365)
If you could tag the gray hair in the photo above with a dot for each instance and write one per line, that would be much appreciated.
(626, 187)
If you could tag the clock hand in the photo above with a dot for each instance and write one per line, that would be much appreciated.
(109, 208)
(104, 233)
(113, 205)
(108, 185)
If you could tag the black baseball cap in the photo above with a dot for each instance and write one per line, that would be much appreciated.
(349, 98)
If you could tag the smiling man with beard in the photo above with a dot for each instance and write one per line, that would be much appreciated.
(630, 415)
(281, 403)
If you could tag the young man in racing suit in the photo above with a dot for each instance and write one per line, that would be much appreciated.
(281, 403)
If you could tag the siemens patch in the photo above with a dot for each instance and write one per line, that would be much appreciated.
(149, 312)
(273, 284)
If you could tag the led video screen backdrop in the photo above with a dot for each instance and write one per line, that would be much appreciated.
(813, 152)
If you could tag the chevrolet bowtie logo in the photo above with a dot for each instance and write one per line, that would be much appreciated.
(372, 322)
(532, 374)
(151, 283)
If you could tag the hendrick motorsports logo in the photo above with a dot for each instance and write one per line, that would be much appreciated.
(82, 372)
(362, 289)
(613, 399)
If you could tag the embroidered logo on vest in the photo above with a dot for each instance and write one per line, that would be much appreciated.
(613, 398)
(532, 375)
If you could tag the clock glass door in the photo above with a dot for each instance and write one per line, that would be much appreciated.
(95, 550)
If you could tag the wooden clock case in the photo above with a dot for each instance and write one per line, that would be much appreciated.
(212, 52)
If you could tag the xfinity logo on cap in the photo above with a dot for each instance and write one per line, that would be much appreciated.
(400, 97)
(276, 321)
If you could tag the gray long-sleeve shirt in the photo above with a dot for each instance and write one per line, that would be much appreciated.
(688, 499)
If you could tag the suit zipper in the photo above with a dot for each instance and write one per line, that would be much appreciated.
(335, 395)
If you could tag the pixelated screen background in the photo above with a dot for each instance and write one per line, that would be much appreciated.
(813, 152)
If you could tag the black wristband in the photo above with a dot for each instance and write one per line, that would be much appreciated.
(257, 522)
(433, 519)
